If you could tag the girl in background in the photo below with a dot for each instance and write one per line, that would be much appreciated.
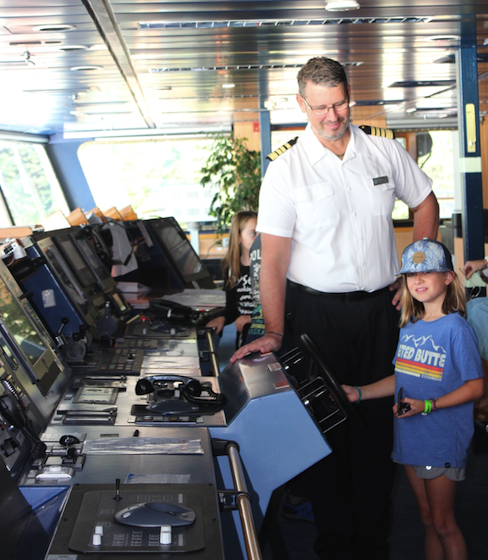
(438, 371)
(237, 282)
(477, 317)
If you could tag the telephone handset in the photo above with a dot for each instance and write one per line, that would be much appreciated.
(190, 388)
(173, 311)
(11, 412)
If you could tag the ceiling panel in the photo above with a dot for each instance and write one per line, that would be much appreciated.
(164, 64)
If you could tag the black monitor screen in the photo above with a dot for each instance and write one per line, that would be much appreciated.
(81, 269)
(19, 327)
(25, 344)
(92, 258)
(178, 246)
(70, 284)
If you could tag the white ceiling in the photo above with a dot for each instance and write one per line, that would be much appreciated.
(162, 65)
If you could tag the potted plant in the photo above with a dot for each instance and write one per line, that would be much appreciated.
(236, 171)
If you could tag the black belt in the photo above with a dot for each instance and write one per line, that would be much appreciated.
(344, 296)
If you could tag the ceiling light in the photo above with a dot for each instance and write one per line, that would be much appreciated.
(86, 68)
(55, 27)
(342, 5)
(228, 86)
(411, 110)
(444, 38)
(67, 48)
(99, 47)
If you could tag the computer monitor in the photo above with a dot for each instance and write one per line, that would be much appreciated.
(95, 280)
(69, 282)
(180, 253)
(23, 337)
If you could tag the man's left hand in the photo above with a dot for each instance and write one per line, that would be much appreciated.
(397, 287)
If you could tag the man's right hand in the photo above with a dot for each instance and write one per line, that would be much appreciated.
(267, 343)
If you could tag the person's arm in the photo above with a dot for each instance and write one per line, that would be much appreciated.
(425, 224)
(217, 323)
(470, 391)
(426, 218)
(383, 388)
(241, 321)
(275, 257)
(471, 267)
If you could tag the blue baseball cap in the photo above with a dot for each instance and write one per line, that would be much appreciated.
(426, 255)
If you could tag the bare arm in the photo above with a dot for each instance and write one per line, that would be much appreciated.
(470, 391)
(377, 390)
(275, 257)
(426, 218)
(474, 266)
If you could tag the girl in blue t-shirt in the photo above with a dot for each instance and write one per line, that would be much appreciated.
(438, 375)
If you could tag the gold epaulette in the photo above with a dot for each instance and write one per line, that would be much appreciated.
(376, 131)
(282, 149)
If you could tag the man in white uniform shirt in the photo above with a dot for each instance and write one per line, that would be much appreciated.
(329, 265)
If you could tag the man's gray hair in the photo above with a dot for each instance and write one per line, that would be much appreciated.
(321, 71)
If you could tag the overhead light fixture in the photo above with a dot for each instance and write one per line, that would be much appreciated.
(67, 48)
(411, 110)
(54, 27)
(86, 68)
(444, 38)
(342, 5)
(228, 86)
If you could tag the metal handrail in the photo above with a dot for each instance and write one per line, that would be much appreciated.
(213, 354)
(243, 502)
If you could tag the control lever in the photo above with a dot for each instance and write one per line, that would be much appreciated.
(60, 338)
(107, 325)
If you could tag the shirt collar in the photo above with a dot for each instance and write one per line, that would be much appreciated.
(316, 151)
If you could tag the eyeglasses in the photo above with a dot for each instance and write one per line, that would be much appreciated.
(321, 111)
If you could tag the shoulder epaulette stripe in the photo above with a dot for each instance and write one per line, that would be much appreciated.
(282, 149)
(377, 131)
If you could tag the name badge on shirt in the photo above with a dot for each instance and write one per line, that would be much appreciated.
(380, 180)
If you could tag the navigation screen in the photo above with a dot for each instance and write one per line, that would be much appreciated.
(179, 248)
(84, 274)
(19, 327)
(90, 255)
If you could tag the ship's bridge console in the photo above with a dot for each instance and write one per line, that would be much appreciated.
(118, 418)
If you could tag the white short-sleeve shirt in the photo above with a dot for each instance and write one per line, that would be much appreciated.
(338, 213)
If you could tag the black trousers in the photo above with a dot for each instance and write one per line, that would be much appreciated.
(350, 489)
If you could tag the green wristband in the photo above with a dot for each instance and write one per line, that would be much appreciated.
(360, 394)
(428, 407)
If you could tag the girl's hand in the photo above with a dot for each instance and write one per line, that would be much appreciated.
(351, 393)
(217, 323)
(241, 321)
(416, 406)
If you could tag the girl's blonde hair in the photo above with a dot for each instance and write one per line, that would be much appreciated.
(231, 263)
(454, 302)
